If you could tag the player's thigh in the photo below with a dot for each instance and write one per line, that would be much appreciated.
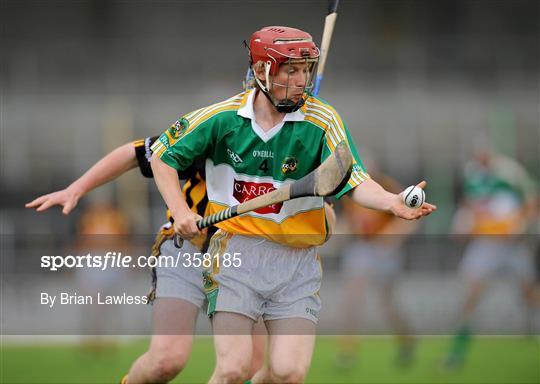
(259, 338)
(291, 344)
(481, 259)
(174, 319)
(233, 339)
(174, 325)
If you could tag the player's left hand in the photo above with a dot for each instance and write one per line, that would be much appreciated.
(400, 209)
(67, 198)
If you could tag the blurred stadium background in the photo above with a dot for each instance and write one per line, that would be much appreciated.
(417, 82)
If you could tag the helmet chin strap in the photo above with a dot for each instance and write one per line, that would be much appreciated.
(282, 106)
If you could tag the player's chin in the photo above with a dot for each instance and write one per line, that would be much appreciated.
(296, 98)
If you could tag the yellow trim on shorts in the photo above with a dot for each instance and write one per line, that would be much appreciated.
(322, 271)
(218, 244)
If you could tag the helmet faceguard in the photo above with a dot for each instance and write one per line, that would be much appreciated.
(271, 48)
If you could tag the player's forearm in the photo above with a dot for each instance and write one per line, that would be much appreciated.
(370, 194)
(114, 164)
(168, 185)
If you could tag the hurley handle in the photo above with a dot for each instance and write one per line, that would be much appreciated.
(208, 221)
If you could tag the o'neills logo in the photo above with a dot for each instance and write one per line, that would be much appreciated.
(246, 190)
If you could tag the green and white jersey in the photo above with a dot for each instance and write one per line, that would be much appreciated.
(503, 176)
(497, 194)
(243, 161)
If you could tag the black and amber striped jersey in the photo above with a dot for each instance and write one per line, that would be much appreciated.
(194, 187)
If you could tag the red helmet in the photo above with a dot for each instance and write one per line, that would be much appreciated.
(279, 44)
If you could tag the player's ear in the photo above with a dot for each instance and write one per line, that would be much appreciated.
(258, 69)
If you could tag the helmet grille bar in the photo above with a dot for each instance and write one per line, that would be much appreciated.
(290, 40)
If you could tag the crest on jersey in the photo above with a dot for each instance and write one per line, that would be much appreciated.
(289, 165)
(178, 129)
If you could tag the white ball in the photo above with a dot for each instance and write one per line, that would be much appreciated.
(414, 197)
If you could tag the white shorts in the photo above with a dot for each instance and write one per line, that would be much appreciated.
(372, 260)
(272, 280)
(488, 256)
(182, 282)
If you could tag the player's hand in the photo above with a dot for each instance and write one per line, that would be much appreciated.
(185, 224)
(400, 209)
(67, 198)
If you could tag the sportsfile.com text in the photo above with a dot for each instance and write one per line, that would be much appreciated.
(114, 259)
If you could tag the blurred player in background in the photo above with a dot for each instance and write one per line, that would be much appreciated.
(102, 227)
(254, 142)
(178, 293)
(374, 259)
(499, 201)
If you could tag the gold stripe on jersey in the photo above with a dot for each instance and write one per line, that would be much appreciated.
(158, 149)
(313, 119)
(326, 117)
(138, 143)
(332, 112)
(196, 118)
(321, 124)
(333, 122)
(191, 115)
(302, 230)
(245, 97)
(325, 114)
(196, 114)
(207, 113)
(333, 136)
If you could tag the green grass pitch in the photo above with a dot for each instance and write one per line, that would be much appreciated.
(491, 360)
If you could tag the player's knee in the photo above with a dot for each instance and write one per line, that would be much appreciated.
(166, 367)
(231, 370)
(288, 372)
(233, 373)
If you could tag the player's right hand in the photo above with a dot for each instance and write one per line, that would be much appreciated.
(402, 210)
(185, 224)
(67, 198)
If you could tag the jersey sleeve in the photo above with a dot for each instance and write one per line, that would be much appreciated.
(190, 137)
(337, 132)
(143, 153)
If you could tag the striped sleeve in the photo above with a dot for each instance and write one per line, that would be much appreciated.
(191, 136)
(143, 154)
(336, 132)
